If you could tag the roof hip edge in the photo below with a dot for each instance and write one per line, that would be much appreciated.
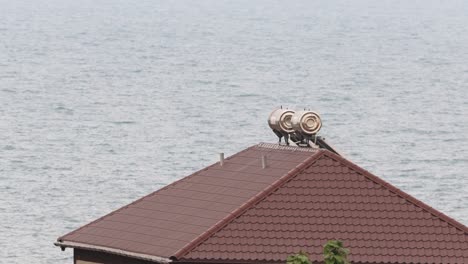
(237, 212)
(400, 193)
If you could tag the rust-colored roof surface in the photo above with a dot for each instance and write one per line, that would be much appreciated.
(166, 221)
(241, 212)
(332, 198)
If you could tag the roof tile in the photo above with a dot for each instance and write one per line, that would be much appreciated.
(382, 224)
(240, 211)
(165, 221)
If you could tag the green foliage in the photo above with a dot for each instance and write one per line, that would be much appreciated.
(335, 253)
(300, 258)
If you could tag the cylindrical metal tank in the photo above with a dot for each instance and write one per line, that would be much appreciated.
(306, 122)
(280, 120)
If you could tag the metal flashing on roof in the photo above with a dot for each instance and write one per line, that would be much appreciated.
(286, 147)
(120, 252)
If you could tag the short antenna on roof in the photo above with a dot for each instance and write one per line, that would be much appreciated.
(221, 159)
(264, 162)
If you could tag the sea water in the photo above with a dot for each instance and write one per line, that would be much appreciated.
(102, 102)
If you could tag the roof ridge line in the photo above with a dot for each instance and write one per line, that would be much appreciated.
(400, 192)
(60, 239)
(241, 209)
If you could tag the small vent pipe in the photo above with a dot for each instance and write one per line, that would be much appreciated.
(264, 162)
(221, 159)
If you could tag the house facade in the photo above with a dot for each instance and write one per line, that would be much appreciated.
(266, 203)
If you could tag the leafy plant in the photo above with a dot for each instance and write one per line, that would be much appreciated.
(335, 253)
(299, 258)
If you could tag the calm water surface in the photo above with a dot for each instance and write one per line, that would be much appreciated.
(103, 101)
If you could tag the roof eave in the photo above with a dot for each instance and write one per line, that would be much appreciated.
(228, 261)
(69, 244)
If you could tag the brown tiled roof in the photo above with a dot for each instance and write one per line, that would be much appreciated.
(240, 212)
(331, 198)
(166, 221)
